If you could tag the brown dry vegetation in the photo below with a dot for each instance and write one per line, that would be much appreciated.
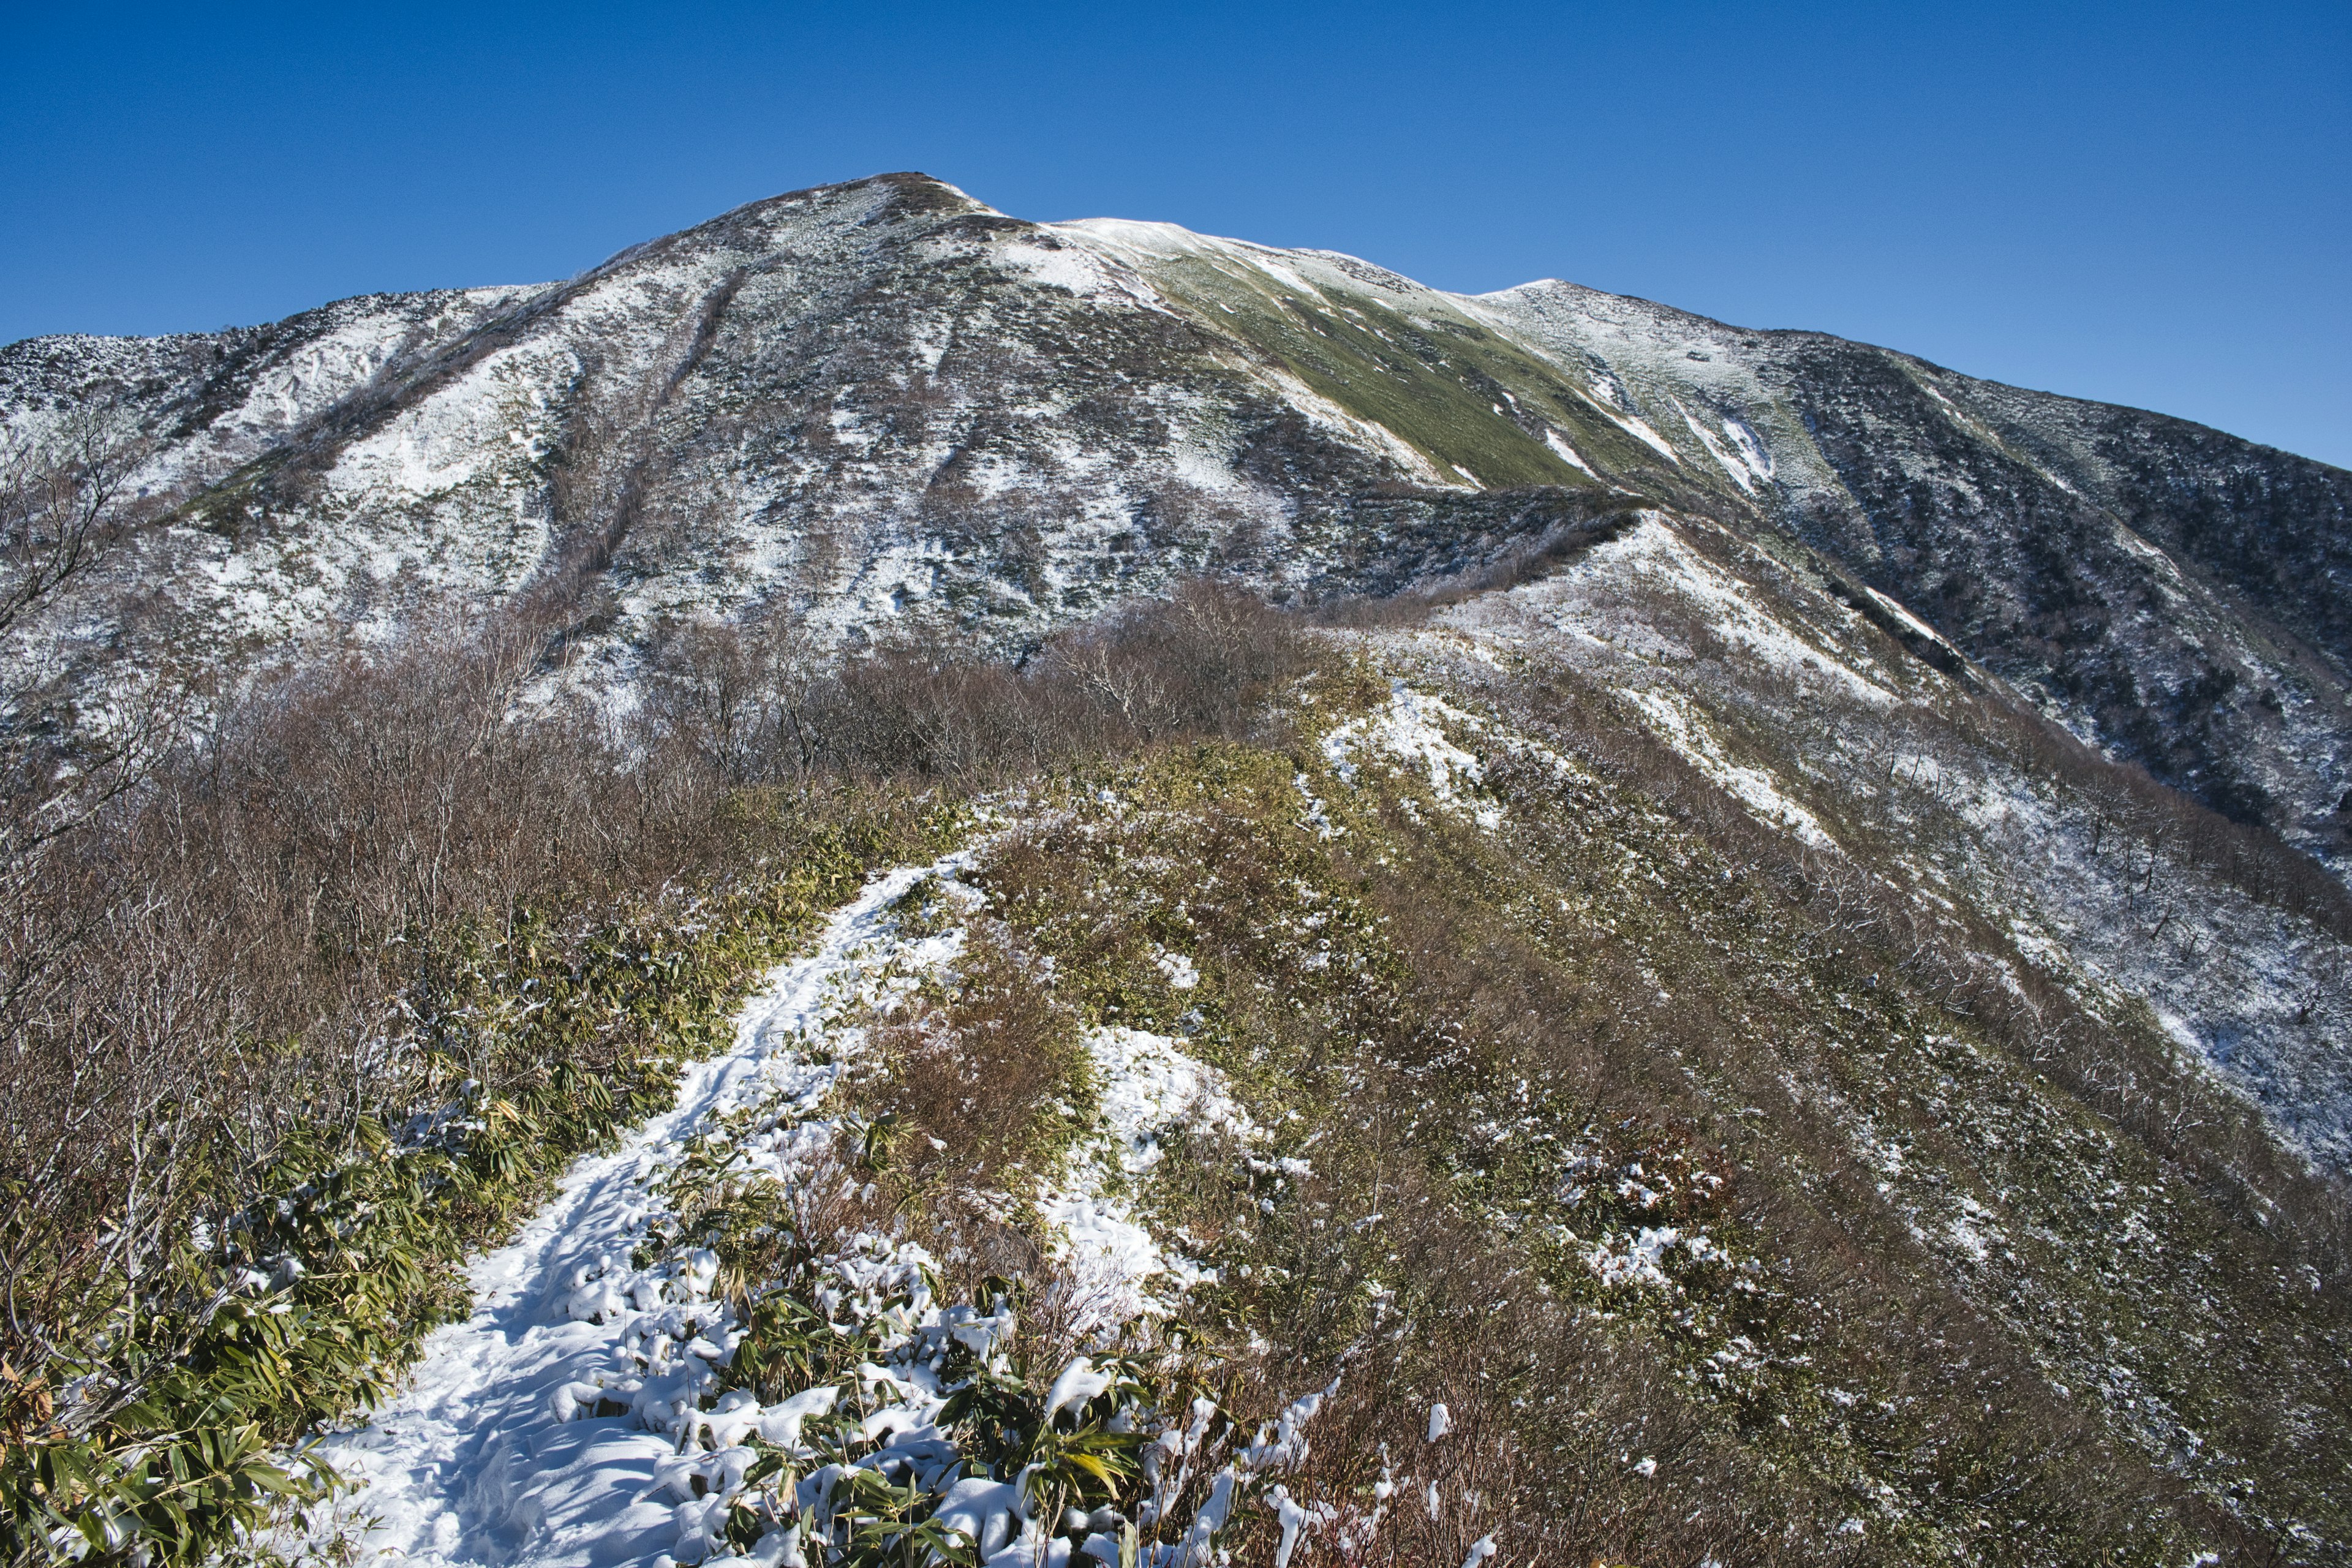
(1637, 973)
(278, 922)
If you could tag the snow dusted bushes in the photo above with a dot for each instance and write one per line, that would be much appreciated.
(922, 1432)
(1860, 895)
(1796, 1013)
(299, 1020)
(300, 1288)
(1339, 1247)
(838, 1395)
(881, 1385)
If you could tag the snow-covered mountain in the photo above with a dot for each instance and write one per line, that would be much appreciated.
(885, 400)
(1777, 953)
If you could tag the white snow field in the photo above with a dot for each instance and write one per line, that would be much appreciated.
(481, 1460)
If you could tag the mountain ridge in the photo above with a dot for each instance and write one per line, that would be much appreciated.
(1942, 491)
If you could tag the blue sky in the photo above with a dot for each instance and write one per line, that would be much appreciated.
(2149, 203)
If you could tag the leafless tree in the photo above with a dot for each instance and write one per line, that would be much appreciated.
(63, 498)
(66, 503)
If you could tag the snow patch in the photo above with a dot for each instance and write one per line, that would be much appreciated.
(1148, 1090)
(1566, 453)
(1082, 272)
(1753, 787)
(1745, 462)
(1410, 728)
(1653, 553)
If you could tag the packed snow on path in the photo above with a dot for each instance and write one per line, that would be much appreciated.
(480, 1459)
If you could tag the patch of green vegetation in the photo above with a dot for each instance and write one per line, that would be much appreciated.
(782, 1248)
(1459, 392)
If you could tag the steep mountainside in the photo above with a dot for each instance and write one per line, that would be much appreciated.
(2176, 594)
(885, 399)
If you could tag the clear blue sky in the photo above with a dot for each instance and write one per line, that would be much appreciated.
(2150, 204)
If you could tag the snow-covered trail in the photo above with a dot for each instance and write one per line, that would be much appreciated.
(474, 1462)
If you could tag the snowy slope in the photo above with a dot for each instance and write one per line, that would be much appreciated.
(1823, 727)
(884, 402)
(213, 401)
(2077, 549)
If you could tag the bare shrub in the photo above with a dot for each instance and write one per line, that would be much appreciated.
(64, 501)
(756, 704)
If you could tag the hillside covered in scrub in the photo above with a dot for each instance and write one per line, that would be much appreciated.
(888, 886)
